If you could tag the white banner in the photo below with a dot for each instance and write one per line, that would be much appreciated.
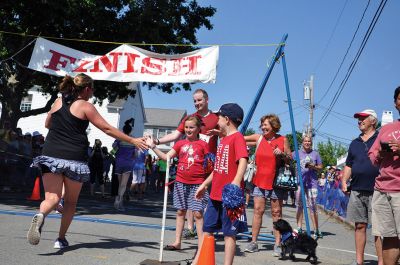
(126, 64)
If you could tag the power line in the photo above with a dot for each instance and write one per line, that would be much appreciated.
(347, 51)
(354, 62)
(330, 38)
(332, 138)
(338, 113)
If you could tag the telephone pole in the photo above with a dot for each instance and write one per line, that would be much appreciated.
(311, 130)
(309, 95)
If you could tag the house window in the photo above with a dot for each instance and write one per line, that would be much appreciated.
(26, 103)
(161, 133)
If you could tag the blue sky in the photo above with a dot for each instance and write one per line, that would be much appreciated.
(310, 25)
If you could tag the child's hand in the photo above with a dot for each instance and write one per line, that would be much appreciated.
(235, 183)
(150, 142)
(200, 192)
(213, 132)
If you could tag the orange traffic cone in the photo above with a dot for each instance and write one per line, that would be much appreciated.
(207, 251)
(36, 191)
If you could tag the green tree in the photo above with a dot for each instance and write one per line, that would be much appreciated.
(251, 131)
(291, 142)
(330, 152)
(128, 21)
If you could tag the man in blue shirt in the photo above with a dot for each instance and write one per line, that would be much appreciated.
(362, 173)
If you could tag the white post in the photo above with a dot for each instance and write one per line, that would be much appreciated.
(164, 210)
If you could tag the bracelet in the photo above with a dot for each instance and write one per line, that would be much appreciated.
(158, 141)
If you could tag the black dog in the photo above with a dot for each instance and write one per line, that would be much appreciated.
(291, 243)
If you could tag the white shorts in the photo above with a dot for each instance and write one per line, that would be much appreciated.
(138, 176)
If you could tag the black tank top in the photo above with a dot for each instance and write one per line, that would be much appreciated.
(67, 137)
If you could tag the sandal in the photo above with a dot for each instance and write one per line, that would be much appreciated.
(171, 248)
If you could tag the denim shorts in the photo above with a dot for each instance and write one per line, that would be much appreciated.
(74, 170)
(275, 194)
(217, 220)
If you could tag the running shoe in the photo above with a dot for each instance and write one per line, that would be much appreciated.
(318, 234)
(189, 233)
(35, 230)
(252, 247)
(61, 243)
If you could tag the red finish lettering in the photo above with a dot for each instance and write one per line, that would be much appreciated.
(176, 67)
(110, 67)
(193, 65)
(153, 64)
(80, 68)
(130, 61)
(56, 59)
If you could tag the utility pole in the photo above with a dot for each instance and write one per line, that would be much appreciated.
(309, 95)
(311, 130)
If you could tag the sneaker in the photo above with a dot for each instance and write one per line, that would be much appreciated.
(61, 243)
(188, 233)
(60, 206)
(252, 247)
(35, 230)
(300, 231)
(277, 251)
(318, 234)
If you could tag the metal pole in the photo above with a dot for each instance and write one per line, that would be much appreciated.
(164, 210)
(296, 150)
(249, 115)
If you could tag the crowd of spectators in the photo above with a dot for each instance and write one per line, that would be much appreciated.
(16, 152)
(18, 148)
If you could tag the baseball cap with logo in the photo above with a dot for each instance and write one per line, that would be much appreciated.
(233, 111)
(366, 113)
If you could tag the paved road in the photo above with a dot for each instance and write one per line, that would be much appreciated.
(101, 235)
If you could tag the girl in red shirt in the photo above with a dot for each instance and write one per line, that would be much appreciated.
(191, 172)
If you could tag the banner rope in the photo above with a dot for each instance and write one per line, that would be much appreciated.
(12, 56)
(146, 44)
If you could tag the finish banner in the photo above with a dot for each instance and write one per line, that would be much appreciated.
(126, 64)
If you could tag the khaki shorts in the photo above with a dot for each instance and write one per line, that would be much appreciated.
(386, 214)
(359, 208)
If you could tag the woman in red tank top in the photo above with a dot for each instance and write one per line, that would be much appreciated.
(272, 152)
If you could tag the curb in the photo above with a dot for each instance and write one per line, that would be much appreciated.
(336, 217)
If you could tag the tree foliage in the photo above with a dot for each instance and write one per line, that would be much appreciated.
(250, 131)
(291, 141)
(128, 21)
(330, 152)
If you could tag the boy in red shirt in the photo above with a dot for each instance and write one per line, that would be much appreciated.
(230, 165)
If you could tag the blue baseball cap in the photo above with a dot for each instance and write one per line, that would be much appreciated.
(233, 111)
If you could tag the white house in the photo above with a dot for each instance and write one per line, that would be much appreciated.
(115, 113)
(160, 122)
